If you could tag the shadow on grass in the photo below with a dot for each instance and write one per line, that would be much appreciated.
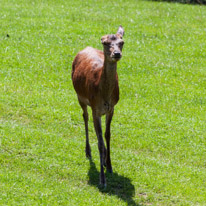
(116, 185)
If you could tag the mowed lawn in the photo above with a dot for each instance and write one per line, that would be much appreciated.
(158, 145)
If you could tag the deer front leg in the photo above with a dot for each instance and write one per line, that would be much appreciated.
(107, 137)
(98, 129)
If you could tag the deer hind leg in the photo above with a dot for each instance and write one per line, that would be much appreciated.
(98, 129)
(107, 137)
(85, 116)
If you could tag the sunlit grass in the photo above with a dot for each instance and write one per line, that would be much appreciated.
(158, 131)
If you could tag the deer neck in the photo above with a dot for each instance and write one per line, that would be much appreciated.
(108, 79)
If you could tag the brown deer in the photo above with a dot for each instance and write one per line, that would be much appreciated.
(95, 80)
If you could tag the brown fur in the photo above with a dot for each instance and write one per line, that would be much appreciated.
(91, 82)
(95, 80)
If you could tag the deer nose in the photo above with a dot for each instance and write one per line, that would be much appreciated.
(117, 54)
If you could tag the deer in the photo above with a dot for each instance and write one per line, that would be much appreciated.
(95, 80)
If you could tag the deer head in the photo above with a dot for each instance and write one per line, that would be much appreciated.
(113, 45)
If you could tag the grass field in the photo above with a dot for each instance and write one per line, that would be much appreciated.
(158, 145)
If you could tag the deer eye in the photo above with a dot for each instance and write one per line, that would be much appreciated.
(106, 43)
(121, 43)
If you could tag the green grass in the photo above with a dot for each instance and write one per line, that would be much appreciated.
(158, 131)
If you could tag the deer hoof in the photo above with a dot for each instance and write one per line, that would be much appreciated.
(88, 153)
(103, 185)
(110, 170)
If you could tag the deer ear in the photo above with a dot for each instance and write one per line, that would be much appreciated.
(104, 39)
(120, 31)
